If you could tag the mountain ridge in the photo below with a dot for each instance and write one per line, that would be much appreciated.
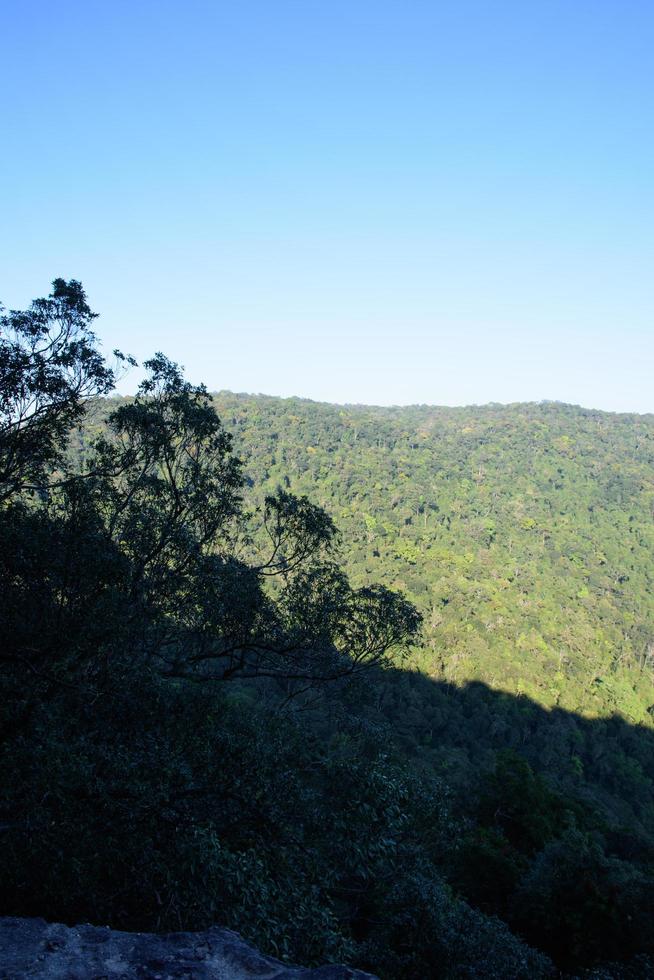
(542, 402)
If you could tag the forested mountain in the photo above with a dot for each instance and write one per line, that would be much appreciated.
(421, 745)
(524, 533)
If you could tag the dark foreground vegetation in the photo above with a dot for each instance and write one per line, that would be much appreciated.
(206, 713)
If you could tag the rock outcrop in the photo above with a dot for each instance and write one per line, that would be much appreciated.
(33, 948)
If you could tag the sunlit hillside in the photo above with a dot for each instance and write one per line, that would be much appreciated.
(524, 532)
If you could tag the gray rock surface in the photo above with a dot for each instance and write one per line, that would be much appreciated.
(34, 948)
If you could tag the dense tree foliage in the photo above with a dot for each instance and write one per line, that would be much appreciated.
(208, 713)
(523, 533)
(151, 524)
(50, 366)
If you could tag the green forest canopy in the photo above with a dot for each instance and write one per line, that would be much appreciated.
(524, 533)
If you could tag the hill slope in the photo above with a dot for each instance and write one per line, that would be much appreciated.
(523, 532)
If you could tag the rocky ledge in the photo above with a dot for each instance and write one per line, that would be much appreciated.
(33, 948)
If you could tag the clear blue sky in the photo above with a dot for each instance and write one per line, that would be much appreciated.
(351, 200)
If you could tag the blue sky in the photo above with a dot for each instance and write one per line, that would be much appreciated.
(348, 200)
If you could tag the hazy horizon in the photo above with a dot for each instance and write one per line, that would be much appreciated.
(122, 391)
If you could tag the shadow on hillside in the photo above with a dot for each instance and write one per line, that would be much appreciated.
(606, 761)
(565, 860)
